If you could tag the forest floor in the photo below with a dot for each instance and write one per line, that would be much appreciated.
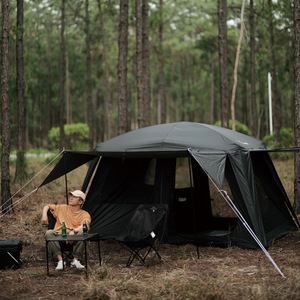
(219, 273)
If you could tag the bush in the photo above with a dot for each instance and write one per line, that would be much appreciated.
(76, 135)
(287, 141)
(239, 127)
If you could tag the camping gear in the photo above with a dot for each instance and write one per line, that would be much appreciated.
(142, 232)
(10, 254)
(142, 166)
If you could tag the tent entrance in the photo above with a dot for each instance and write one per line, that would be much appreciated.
(198, 209)
(191, 199)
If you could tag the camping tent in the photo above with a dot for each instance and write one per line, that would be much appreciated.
(142, 166)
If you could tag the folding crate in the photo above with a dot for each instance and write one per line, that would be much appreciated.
(10, 254)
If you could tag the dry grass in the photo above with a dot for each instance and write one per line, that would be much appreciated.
(219, 273)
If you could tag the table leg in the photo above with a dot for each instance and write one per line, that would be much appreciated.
(99, 251)
(85, 252)
(47, 254)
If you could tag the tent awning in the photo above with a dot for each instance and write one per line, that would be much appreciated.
(69, 162)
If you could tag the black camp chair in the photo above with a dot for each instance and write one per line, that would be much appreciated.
(142, 232)
(66, 248)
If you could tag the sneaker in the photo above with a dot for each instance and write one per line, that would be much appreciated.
(77, 264)
(60, 265)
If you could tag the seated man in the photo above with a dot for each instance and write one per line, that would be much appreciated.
(73, 216)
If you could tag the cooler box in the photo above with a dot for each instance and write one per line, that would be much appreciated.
(10, 254)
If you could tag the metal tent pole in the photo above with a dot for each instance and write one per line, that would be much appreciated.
(252, 233)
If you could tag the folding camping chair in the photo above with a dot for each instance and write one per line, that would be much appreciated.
(142, 232)
(66, 248)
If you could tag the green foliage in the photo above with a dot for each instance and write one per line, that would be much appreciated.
(239, 127)
(76, 136)
(190, 55)
(287, 139)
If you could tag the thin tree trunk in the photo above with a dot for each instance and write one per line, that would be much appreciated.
(161, 103)
(213, 110)
(253, 116)
(108, 93)
(69, 115)
(224, 90)
(297, 103)
(62, 77)
(142, 63)
(122, 66)
(21, 161)
(236, 65)
(146, 63)
(90, 111)
(5, 176)
(139, 64)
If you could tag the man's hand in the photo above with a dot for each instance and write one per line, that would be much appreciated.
(44, 220)
(71, 232)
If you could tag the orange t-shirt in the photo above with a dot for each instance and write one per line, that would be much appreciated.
(64, 213)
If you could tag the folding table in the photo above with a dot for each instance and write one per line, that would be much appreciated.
(75, 238)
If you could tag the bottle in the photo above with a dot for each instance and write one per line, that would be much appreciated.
(84, 227)
(63, 230)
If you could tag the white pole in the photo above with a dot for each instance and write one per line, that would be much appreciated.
(270, 102)
(246, 225)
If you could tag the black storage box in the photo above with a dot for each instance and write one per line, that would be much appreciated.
(10, 254)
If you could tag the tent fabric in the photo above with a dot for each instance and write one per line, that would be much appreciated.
(213, 163)
(177, 138)
(139, 167)
(69, 162)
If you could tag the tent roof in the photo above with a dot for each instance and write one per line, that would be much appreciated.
(208, 144)
(179, 137)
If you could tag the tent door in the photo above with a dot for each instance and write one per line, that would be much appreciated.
(192, 205)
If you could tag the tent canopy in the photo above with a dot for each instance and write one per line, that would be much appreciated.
(207, 143)
(176, 139)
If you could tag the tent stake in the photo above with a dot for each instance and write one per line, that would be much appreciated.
(244, 222)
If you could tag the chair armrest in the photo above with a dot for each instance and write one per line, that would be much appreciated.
(51, 220)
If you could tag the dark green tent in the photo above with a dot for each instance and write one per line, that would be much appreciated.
(140, 167)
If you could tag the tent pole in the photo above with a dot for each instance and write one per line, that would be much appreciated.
(66, 184)
(244, 222)
(66, 179)
(193, 204)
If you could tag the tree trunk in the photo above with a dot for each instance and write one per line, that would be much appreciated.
(224, 89)
(90, 110)
(5, 176)
(62, 77)
(122, 66)
(161, 105)
(146, 63)
(253, 115)
(139, 64)
(297, 104)
(21, 173)
(142, 63)
(107, 116)
(213, 106)
(275, 92)
(236, 65)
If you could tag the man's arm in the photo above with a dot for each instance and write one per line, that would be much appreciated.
(79, 229)
(44, 219)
